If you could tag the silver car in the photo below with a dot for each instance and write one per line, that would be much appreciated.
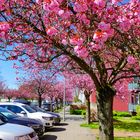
(16, 132)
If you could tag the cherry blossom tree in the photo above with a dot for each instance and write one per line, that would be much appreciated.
(10, 93)
(2, 88)
(85, 84)
(38, 84)
(97, 37)
(25, 91)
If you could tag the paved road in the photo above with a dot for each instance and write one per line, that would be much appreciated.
(69, 130)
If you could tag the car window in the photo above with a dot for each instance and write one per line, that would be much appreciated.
(15, 109)
(4, 106)
(28, 108)
(7, 113)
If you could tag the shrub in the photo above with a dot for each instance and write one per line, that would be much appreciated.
(138, 110)
(121, 114)
(76, 112)
(79, 107)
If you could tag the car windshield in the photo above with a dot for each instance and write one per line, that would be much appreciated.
(7, 113)
(28, 108)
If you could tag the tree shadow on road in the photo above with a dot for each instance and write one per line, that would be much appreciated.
(62, 124)
(48, 137)
(56, 129)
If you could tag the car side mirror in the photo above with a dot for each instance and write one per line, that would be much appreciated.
(23, 112)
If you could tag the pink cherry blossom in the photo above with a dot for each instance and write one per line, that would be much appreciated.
(95, 47)
(52, 31)
(81, 51)
(64, 42)
(100, 3)
(76, 41)
(131, 60)
(4, 26)
(103, 26)
(80, 7)
(100, 36)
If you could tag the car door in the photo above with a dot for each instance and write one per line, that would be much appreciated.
(18, 110)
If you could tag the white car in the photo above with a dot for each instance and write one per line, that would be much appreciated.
(27, 111)
(10, 131)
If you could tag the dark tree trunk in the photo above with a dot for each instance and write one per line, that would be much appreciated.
(56, 100)
(39, 100)
(88, 110)
(87, 96)
(51, 105)
(105, 113)
(61, 103)
(9, 99)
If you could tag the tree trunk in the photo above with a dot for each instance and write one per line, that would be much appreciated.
(9, 99)
(51, 105)
(56, 100)
(105, 113)
(39, 100)
(88, 110)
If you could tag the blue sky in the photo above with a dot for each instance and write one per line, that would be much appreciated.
(8, 74)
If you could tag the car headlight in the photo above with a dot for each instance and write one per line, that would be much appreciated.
(26, 137)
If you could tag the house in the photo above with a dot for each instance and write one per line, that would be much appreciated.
(127, 103)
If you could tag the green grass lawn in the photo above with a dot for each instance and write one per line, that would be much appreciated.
(121, 124)
(127, 138)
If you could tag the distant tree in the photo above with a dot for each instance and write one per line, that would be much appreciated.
(2, 88)
(10, 93)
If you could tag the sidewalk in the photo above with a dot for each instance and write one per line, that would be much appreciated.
(69, 129)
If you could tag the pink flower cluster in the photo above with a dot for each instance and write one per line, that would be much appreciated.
(52, 31)
(76, 40)
(4, 26)
(131, 59)
(101, 35)
(81, 51)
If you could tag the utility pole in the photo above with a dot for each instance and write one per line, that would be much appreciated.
(64, 99)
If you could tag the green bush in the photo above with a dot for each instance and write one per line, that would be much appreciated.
(77, 112)
(136, 117)
(121, 114)
(83, 112)
(138, 110)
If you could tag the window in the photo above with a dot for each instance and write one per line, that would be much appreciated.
(15, 109)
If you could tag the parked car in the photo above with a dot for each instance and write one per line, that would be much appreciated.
(56, 117)
(47, 106)
(10, 131)
(15, 119)
(23, 101)
(26, 111)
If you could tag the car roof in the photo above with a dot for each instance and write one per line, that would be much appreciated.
(11, 103)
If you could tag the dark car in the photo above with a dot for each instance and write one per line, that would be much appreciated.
(23, 101)
(15, 119)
